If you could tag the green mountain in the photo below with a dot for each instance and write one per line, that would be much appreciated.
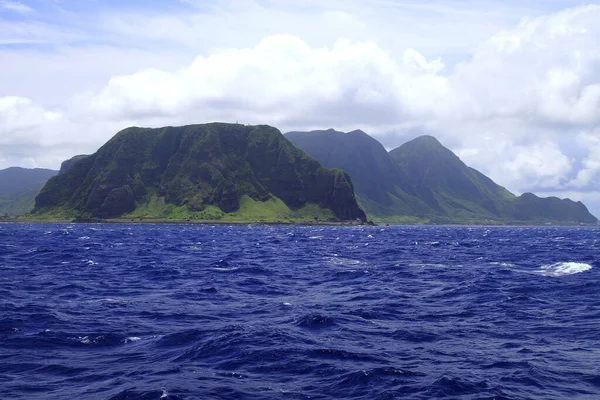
(18, 188)
(216, 171)
(423, 181)
(381, 187)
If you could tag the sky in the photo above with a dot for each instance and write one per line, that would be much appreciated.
(512, 87)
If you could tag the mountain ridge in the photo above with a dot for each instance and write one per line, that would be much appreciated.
(432, 184)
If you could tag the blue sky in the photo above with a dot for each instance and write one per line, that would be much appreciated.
(512, 87)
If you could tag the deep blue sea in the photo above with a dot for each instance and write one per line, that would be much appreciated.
(279, 312)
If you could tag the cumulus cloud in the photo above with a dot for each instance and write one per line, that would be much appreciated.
(547, 68)
(588, 177)
(283, 81)
(33, 136)
(23, 121)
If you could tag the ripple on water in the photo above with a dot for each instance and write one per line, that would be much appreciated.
(255, 312)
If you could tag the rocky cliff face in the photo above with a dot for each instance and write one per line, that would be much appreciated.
(196, 166)
(67, 164)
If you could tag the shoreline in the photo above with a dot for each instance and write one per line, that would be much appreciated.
(137, 221)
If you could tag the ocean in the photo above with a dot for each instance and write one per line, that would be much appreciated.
(298, 312)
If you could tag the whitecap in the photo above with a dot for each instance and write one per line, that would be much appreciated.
(424, 265)
(83, 339)
(336, 260)
(111, 300)
(503, 264)
(132, 339)
(563, 268)
(226, 269)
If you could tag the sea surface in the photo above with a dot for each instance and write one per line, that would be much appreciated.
(279, 312)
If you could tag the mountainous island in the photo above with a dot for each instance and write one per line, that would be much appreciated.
(237, 173)
(424, 182)
(18, 188)
(214, 172)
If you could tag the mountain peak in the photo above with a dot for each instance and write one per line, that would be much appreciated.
(357, 132)
(425, 140)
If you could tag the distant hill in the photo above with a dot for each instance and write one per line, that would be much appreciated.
(18, 188)
(199, 172)
(423, 181)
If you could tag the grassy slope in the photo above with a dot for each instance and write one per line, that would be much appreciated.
(272, 210)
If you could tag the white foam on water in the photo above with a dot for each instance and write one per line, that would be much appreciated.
(503, 264)
(424, 265)
(563, 268)
(84, 339)
(132, 339)
(337, 260)
(226, 269)
(111, 300)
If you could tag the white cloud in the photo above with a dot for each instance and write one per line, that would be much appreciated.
(16, 6)
(20, 120)
(32, 136)
(588, 177)
(282, 80)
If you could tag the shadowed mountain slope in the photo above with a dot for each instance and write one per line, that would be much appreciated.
(18, 188)
(380, 185)
(424, 181)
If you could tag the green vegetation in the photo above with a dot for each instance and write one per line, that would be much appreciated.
(153, 207)
(226, 172)
(424, 182)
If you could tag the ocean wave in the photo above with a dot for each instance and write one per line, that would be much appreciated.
(297, 319)
(563, 268)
